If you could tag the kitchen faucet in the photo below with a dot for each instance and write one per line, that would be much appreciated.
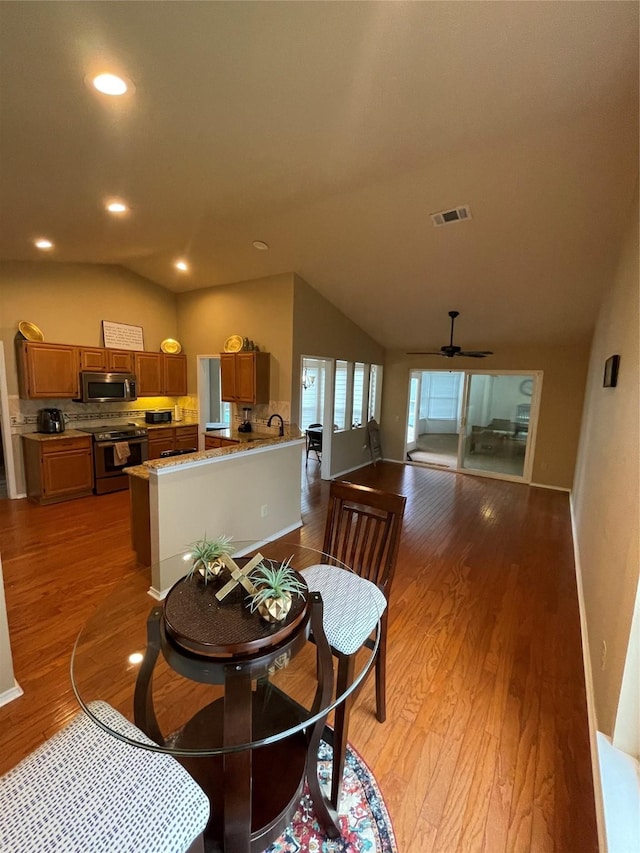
(281, 430)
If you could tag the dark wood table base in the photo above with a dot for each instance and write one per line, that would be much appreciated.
(277, 773)
(253, 792)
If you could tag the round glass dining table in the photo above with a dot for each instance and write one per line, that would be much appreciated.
(240, 702)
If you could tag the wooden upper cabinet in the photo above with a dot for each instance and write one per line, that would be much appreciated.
(99, 358)
(244, 377)
(228, 377)
(47, 371)
(160, 375)
(175, 375)
(149, 373)
(93, 358)
(120, 361)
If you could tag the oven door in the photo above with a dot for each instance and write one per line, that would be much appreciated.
(110, 459)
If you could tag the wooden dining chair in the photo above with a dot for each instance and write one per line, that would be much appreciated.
(362, 531)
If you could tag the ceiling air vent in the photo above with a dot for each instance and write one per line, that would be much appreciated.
(446, 217)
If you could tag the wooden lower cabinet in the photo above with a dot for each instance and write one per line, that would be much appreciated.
(186, 437)
(212, 442)
(171, 438)
(58, 469)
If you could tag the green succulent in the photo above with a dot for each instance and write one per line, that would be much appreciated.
(205, 551)
(274, 581)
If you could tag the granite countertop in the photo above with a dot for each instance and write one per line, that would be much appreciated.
(55, 436)
(246, 441)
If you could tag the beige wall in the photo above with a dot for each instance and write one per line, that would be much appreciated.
(563, 384)
(7, 682)
(261, 310)
(68, 302)
(319, 329)
(605, 502)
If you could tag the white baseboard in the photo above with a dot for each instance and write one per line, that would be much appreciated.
(588, 680)
(554, 488)
(11, 694)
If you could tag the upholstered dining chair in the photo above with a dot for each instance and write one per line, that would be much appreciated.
(314, 440)
(362, 531)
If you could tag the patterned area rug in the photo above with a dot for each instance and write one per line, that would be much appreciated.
(364, 820)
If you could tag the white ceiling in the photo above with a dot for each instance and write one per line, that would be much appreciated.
(332, 131)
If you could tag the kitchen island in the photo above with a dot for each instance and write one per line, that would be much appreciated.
(249, 490)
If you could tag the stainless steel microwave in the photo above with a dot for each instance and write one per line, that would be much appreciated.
(107, 387)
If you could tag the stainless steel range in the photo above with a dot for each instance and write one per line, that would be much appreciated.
(116, 446)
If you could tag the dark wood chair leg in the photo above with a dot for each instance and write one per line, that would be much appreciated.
(381, 672)
(346, 668)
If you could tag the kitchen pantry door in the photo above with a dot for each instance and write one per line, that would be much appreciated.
(498, 426)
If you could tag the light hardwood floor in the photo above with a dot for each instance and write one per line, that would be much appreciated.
(486, 744)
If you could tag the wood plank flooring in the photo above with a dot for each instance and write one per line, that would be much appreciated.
(486, 744)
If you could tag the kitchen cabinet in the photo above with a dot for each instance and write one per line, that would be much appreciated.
(186, 437)
(212, 442)
(93, 358)
(120, 361)
(47, 371)
(58, 469)
(171, 438)
(244, 377)
(159, 440)
(101, 358)
(160, 375)
(51, 371)
(175, 375)
(148, 371)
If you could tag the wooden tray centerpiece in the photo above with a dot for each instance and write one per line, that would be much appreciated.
(217, 621)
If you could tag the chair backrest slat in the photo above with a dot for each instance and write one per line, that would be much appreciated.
(363, 530)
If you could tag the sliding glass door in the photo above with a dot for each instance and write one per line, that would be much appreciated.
(473, 421)
(497, 424)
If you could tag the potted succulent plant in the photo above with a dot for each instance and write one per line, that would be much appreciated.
(206, 556)
(275, 587)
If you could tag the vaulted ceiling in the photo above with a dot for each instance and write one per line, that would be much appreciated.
(332, 131)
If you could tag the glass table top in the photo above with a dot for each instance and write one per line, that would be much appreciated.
(128, 645)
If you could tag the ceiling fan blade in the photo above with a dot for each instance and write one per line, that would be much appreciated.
(475, 353)
(424, 353)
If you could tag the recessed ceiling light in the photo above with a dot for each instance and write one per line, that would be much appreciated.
(110, 84)
(183, 266)
(43, 244)
(117, 207)
(260, 245)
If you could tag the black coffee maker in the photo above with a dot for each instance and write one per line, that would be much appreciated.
(50, 420)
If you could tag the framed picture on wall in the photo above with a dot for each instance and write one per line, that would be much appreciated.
(611, 366)
(122, 336)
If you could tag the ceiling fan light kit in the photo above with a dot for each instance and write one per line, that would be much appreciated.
(449, 350)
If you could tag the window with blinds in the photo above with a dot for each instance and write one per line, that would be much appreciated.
(442, 397)
(340, 395)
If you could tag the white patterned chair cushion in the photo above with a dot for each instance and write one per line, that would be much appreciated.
(352, 605)
(85, 791)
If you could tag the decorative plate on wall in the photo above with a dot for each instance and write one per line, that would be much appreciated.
(170, 346)
(30, 331)
(233, 344)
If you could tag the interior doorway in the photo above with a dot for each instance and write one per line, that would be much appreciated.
(316, 411)
(473, 421)
(212, 410)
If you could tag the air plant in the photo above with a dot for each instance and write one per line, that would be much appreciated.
(207, 554)
(274, 583)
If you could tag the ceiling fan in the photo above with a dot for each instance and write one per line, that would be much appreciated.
(450, 350)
